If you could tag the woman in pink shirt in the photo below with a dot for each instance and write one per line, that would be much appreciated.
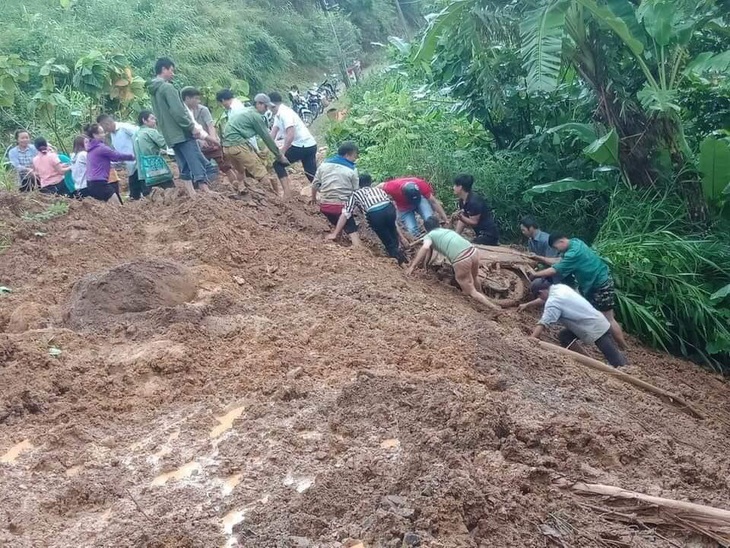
(49, 169)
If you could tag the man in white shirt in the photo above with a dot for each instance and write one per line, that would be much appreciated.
(122, 140)
(566, 306)
(298, 144)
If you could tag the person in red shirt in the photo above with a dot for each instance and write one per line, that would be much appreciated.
(412, 195)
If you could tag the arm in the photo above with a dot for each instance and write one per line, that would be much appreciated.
(60, 167)
(158, 139)
(547, 260)
(532, 304)
(263, 132)
(115, 156)
(469, 221)
(14, 158)
(539, 328)
(420, 258)
(177, 109)
(438, 208)
(547, 273)
(402, 235)
(274, 131)
(288, 139)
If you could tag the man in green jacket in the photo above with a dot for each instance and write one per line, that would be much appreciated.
(178, 129)
(243, 124)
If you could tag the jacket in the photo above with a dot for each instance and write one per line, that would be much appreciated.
(99, 159)
(173, 119)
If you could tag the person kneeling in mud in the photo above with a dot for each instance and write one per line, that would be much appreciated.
(583, 323)
(380, 213)
(462, 255)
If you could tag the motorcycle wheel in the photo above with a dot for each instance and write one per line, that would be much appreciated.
(307, 117)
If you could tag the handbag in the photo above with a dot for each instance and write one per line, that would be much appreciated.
(155, 170)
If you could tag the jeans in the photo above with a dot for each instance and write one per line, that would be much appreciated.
(192, 164)
(409, 217)
(382, 221)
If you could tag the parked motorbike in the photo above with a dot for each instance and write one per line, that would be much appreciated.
(315, 102)
(300, 105)
(328, 88)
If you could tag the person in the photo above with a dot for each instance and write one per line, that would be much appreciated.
(591, 274)
(149, 142)
(412, 194)
(121, 135)
(462, 255)
(21, 158)
(243, 125)
(298, 145)
(474, 212)
(98, 165)
(583, 322)
(538, 242)
(78, 164)
(229, 101)
(178, 129)
(335, 182)
(49, 169)
(380, 214)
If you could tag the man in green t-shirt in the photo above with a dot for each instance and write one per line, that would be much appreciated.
(462, 255)
(590, 271)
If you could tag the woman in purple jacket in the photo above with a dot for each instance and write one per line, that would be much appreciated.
(98, 164)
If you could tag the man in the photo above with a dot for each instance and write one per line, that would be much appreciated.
(21, 158)
(463, 256)
(590, 272)
(229, 102)
(565, 306)
(538, 242)
(299, 145)
(474, 212)
(335, 181)
(210, 147)
(178, 129)
(243, 125)
(412, 194)
(122, 140)
(380, 213)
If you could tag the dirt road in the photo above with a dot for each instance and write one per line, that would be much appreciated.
(207, 373)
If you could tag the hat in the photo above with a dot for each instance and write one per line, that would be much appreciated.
(411, 192)
(264, 99)
(539, 284)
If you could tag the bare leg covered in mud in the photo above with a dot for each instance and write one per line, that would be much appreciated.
(467, 276)
(616, 330)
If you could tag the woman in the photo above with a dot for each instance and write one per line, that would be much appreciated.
(78, 164)
(148, 142)
(98, 165)
(49, 169)
(21, 157)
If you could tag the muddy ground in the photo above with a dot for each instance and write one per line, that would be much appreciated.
(211, 373)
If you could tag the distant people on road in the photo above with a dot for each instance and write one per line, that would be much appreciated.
(460, 253)
(582, 321)
(49, 169)
(178, 129)
(412, 195)
(335, 182)
(474, 212)
(121, 135)
(591, 273)
(298, 143)
(100, 181)
(21, 158)
(78, 164)
(380, 213)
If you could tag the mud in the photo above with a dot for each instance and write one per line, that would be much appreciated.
(212, 373)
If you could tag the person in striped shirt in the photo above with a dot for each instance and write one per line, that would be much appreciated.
(380, 213)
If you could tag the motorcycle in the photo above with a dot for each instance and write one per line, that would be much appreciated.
(315, 102)
(300, 105)
(328, 88)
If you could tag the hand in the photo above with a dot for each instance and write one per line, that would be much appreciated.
(531, 275)
(283, 160)
(331, 237)
(410, 270)
(522, 308)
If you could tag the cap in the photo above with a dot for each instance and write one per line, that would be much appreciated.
(538, 285)
(264, 99)
(411, 192)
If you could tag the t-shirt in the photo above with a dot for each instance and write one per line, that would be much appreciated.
(68, 177)
(395, 189)
(582, 262)
(123, 141)
(48, 168)
(476, 205)
(366, 199)
(286, 118)
(203, 116)
(564, 305)
(540, 245)
(78, 169)
(447, 242)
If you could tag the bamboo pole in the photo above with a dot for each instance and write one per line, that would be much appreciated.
(600, 366)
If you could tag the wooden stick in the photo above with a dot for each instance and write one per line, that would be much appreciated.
(600, 366)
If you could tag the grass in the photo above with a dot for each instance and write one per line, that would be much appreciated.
(56, 209)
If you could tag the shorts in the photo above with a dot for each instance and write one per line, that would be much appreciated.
(306, 155)
(244, 159)
(100, 190)
(333, 213)
(603, 298)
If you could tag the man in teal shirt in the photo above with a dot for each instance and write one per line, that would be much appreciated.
(590, 271)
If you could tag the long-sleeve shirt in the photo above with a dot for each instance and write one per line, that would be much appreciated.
(173, 120)
(336, 180)
(22, 160)
(244, 124)
(365, 199)
(564, 305)
(539, 244)
(99, 159)
(123, 141)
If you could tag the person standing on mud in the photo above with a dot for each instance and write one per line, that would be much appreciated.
(462, 255)
(380, 213)
(121, 135)
(591, 273)
(582, 321)
(474, 212)
(98, 165)
(412, 195)
(335, 181)
(178, 128)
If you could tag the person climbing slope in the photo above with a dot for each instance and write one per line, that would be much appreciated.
(462, 255)
(582, 321)
(100, 181)
(590, 271)
(412, 195)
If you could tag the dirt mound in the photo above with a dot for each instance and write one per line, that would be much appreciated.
(118, 294)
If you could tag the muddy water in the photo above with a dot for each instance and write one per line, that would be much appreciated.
(12, 455)
(226, 422)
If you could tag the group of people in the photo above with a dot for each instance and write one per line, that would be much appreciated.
(178, 121)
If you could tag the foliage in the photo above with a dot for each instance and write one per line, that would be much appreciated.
(56, 209)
